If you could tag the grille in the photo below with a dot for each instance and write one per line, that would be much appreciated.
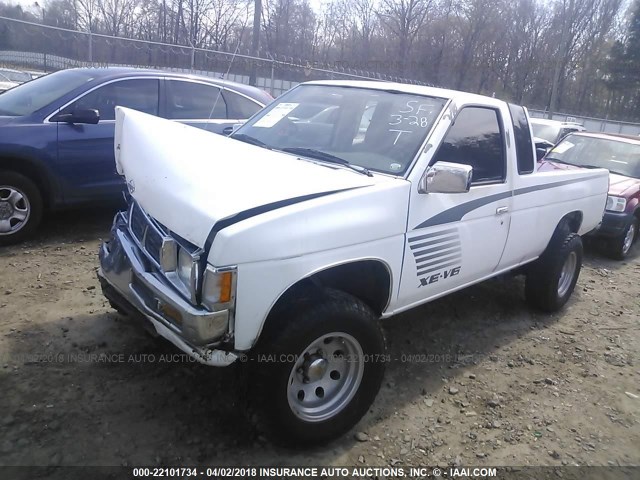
(137, 222)
(145, 232)
(153, 244)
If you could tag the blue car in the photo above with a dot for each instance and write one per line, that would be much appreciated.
(56, 133)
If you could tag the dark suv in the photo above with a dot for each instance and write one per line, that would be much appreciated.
(56, 133)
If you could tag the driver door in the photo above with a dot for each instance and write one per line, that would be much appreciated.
(456, 239)
(85, 151)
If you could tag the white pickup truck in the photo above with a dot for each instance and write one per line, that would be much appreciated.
(339, 204)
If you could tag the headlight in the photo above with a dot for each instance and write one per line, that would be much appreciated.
(187, 269)
(615, 204)
(168, 255)
(219, 288)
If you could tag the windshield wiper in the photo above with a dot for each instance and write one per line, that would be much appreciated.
(243, 137)
(326, 157)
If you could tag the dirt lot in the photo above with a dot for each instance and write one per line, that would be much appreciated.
(477, 378)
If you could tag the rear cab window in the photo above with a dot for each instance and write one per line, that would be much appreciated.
(522, 134)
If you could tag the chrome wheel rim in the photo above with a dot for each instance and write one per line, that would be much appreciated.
(325, 377)
(567, 273)
(628, 239)
(15, 210)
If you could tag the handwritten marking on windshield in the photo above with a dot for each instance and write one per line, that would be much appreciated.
(400, 132)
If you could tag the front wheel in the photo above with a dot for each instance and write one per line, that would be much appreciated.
(320, 366)
(20, 207)
(620, 247)
(551, 279)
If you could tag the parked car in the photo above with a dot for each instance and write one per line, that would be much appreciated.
(56, 133)
(15, 76)
(287, 250)
(35, 73)
(552, 131)
(6, 84)
(621, 156)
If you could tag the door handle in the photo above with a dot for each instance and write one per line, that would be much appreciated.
(502, 210)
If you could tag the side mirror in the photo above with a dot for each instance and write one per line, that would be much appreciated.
(540, 153)
(542, 148)
(446, 177)
(90, 116)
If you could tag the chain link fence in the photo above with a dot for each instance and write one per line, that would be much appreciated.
(53, 48)
(32, 46)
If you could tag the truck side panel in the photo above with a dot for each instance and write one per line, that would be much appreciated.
(542, 199)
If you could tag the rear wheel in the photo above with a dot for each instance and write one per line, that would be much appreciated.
(552, 278)
(319, 367)
(620, 247)
(20, 207)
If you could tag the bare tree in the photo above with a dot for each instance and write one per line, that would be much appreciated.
(403, 19)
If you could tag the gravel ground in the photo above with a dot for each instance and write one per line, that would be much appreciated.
(477, 378)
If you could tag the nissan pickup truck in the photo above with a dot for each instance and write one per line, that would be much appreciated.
(284, 245)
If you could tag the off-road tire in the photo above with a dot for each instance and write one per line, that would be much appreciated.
(617, 248)
(26, 187)
(296, 326)
(542, 285)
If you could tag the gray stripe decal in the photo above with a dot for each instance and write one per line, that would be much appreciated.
(419, 255)
(436, 234)
(522, 191)
(436, 250)
(423, 246)
(442, 259)
(448, 238)
(439, 255)
(423, 272)
(456, 213)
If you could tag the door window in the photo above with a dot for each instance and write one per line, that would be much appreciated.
(240, 107)
(141, 95)
(476, 139)
(194, 101)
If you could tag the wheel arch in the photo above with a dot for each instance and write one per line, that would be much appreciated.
(569, 223)
(368, 279)
(573, 220)
(34, 171)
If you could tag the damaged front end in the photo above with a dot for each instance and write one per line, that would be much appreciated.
(147, 271)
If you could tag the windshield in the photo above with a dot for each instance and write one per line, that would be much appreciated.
(15, 76)
(376, 129)
(30, 97)
(617, 156)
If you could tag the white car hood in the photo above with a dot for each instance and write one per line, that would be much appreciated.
(189, 179)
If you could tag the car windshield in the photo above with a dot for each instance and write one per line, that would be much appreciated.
(380, 130)
(618, 156)
(546, 132)
(16, 76)
(30, 97)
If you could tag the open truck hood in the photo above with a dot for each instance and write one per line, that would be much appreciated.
(189, 179)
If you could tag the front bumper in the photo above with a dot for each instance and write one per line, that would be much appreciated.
(130, 281)
(613, 225)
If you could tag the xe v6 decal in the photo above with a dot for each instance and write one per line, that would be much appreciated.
(434, 253)
(456, 213)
